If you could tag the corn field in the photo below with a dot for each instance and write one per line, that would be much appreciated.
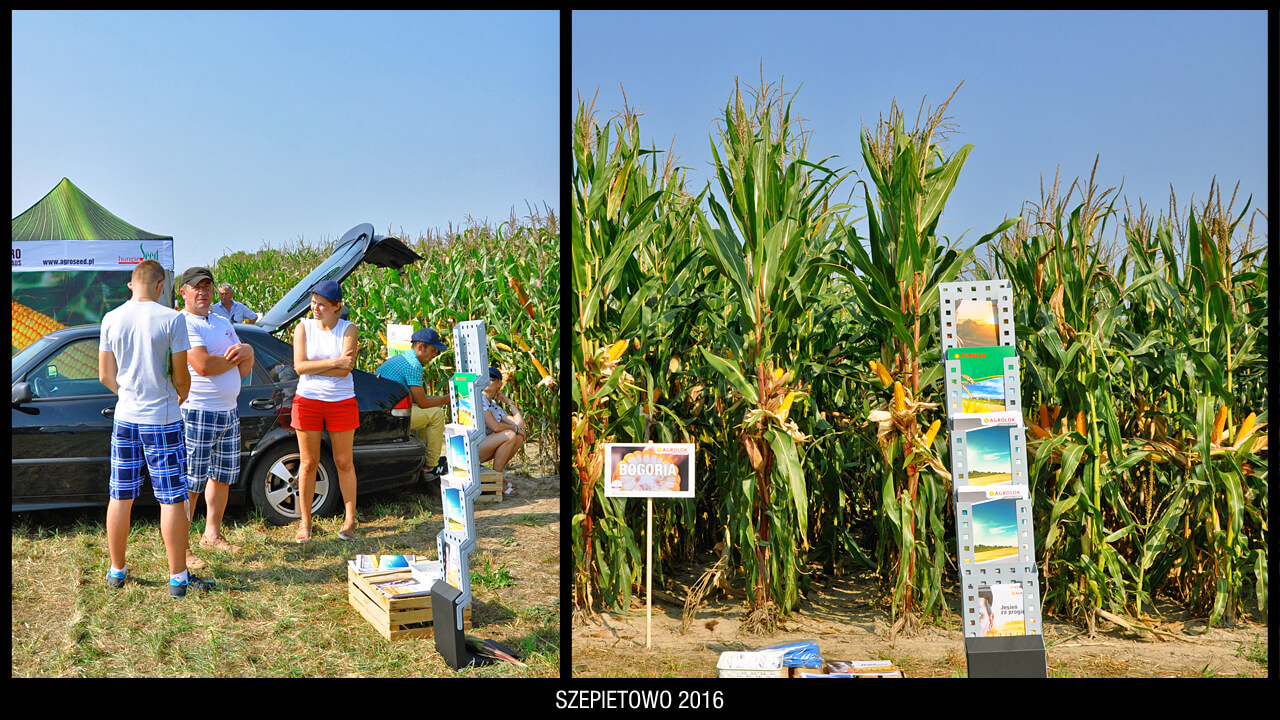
(508, 276)
(802, 356)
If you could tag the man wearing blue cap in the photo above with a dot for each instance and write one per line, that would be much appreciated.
(428, 411)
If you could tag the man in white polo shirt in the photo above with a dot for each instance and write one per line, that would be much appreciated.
(218, 361)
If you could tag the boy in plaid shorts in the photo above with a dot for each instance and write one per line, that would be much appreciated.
(217, 361)
(142, 358)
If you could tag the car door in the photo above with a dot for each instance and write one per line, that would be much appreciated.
(62, 436)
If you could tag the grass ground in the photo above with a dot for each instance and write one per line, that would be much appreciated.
(280, 609)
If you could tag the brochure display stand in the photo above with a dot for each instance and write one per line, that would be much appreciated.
(460, 488)
(995, 538)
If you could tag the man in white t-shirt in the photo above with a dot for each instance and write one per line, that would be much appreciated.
(230, 308)
(218, 361)
(142, 357)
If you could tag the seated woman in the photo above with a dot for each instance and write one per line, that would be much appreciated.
(505, 428)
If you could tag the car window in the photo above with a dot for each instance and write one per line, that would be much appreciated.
(72, 371)
(273, 364)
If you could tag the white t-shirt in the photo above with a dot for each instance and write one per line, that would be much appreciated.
(215, 334)
(325, 345)
(142, 334)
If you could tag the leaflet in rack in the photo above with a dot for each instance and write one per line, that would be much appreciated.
(1001, 609)
(982, 380)
(976, 314)
(994, 533)
(988, 450)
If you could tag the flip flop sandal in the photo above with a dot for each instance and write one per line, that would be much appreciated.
(346, 535)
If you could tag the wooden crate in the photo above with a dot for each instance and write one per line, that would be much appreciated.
(490, 485)
(396, 618)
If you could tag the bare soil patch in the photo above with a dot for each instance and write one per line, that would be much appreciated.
(845, 618)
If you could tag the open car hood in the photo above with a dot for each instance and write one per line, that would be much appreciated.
(358, 245)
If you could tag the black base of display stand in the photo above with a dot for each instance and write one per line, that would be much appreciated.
(451, 641)
(1020, 656)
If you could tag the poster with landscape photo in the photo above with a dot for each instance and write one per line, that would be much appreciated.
(988, 455)
(982, 385)
(977, 322)
(995, 530)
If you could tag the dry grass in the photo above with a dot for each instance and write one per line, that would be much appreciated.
(280, 609)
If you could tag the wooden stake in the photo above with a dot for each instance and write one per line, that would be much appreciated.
(648, 572)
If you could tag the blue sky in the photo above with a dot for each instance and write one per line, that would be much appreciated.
(230, 130)
(1161, 99)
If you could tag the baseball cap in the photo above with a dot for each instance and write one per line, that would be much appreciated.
(430, 337)
(194, 275)
(494, 373)
(329, 290)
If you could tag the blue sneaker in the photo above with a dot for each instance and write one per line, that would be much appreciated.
(179, 589)
(114, 579)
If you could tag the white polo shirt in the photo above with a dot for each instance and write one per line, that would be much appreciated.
(215, 334)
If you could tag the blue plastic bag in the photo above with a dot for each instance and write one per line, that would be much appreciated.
(802, 654)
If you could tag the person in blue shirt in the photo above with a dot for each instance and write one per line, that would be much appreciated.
(229, 308)
(428, 412)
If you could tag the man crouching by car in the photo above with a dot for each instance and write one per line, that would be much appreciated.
(142, 357)
(218, 361)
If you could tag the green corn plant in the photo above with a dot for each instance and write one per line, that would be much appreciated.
(610, 217)
(896, 284)
(778, 208)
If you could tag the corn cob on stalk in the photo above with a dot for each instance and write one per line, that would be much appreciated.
(1245, 428)
(933, 430)
(1218, 423)
(882, 371)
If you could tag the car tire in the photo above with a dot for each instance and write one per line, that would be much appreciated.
(273, 485)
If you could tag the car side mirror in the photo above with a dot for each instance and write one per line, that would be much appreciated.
(22, 393)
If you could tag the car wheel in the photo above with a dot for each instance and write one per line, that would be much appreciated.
(274, 485)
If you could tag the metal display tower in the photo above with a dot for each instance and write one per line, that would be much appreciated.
(460, 487)
(995, 538)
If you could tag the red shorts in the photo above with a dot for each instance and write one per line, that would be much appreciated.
(316, 415)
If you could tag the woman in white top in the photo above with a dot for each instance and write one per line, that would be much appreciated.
(505, 427)
(324, 354)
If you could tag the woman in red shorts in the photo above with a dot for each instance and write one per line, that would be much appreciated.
(324, 353)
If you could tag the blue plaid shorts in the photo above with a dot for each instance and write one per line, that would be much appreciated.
(160, 448)
(213, 447)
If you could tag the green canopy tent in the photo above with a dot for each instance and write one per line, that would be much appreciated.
(72, 259)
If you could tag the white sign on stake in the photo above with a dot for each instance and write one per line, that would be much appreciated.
(648, 470)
